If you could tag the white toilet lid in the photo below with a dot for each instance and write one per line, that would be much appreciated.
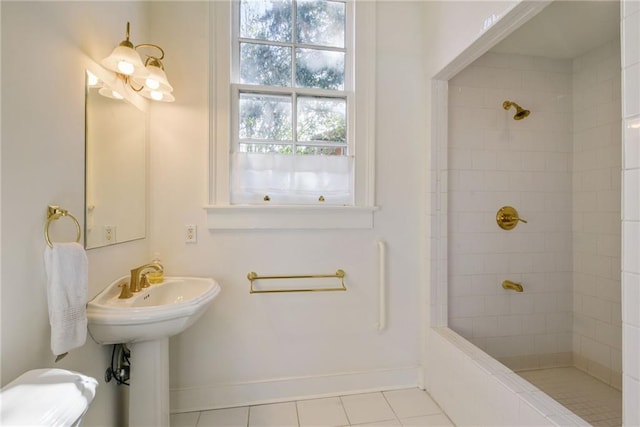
(46, 397)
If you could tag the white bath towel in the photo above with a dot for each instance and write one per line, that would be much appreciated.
(67, 288)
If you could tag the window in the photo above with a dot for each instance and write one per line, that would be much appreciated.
(293, 104)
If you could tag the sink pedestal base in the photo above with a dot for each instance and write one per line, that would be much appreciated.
(149, 384)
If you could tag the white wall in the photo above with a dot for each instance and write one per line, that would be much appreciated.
(496, 161)
(46, 47)
(631, 212)
(245, 346)
(330, 338)
(597, 155)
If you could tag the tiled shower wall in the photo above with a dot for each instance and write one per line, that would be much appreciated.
(597, 154)
(560, 167)
(496, 161)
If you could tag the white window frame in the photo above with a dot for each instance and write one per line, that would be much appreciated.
(223, 215)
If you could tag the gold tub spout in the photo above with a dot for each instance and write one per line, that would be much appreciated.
(508, 284)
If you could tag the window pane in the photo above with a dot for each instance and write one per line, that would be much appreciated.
(265, 117)
(266, 20)
(325, 151)
(322, 119)
(266, 148)
(319, 69)
(321, 23)
(265, 65)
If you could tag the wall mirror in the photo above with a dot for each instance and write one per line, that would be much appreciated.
(116, 166)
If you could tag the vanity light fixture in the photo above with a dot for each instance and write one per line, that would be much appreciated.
(147, 78)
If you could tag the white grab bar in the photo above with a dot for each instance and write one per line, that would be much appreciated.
(382, 285)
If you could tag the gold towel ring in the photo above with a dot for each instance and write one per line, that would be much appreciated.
(54, 212)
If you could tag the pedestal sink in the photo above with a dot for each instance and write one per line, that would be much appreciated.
(145, 322)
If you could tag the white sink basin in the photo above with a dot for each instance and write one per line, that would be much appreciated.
(159, 311)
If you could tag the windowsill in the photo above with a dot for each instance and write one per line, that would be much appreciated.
(246, 217)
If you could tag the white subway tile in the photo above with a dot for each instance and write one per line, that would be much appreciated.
(584, 201)
(485, 326)
(563, 66)
(565, 345)
(533, 160)
(510, 346)
(631, 299)
(467, 306)
(609, 201)
(484, 160)
(464, 96)
(610, 112)
(597, 308)
(631, 39)
(631, 204)
(631, 246)
(608, 69)
(631, 350)
(522, 304)
(632, 144)
(609, 334)
(484, 284)
(496, 60)
(509, 325)
(547, 343)
(631, 77)
(459, 159)
(584, 325)
(629, 7)
(462, 325)
(596, 351)
(631, 410)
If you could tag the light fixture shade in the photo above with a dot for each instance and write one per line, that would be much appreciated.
(125, 60)
(157, 95)
(92, 80)
(110, 93)
(156, 80)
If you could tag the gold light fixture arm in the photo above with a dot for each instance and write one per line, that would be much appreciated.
(155, 46)
(507, 218)
(126, 42)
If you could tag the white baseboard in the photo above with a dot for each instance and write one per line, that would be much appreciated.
(292, 388)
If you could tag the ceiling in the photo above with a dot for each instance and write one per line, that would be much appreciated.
(565, 29)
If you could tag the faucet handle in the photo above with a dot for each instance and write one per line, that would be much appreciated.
(126, 292)
(144, 282)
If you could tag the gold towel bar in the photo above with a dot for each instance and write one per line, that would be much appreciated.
(252, 276)
(53, 213)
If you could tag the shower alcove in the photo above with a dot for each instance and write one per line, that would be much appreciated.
(560, 167)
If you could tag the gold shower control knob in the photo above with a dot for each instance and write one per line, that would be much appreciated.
(507, 218)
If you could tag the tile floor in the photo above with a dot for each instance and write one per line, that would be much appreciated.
(589, 398)
(397, 408)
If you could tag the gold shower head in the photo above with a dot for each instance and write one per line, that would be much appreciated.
(521, 113)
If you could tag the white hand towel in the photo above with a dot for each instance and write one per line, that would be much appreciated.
(67, 287)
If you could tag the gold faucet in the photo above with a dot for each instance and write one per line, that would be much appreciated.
(508, 284)
(135, 284)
